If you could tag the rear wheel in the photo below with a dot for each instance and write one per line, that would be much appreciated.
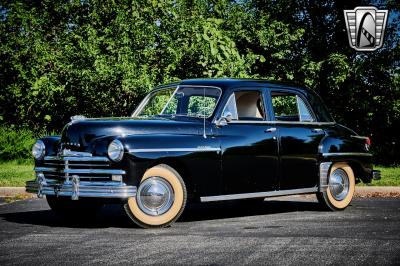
(160, 198)
(341, 185)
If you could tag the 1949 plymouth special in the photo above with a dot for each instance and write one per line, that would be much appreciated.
(202, 140)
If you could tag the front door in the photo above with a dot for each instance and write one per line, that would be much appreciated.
(249, 145)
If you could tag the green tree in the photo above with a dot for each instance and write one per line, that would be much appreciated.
(99, 58)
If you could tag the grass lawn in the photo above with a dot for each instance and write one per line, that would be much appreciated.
(15, 174)
(390, 176)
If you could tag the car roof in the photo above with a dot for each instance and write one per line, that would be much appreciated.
(226, 83)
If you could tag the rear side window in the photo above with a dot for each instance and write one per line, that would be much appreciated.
(290, 107)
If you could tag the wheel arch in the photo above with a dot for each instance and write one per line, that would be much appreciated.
(360, 169)
(360, 172)
(182, 169)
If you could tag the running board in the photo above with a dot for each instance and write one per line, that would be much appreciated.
(260, 194)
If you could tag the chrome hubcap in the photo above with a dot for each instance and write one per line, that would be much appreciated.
(339, 184)
(155, 196)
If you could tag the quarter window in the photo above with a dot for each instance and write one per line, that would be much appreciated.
(290, 107)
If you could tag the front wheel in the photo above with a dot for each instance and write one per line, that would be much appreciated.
(341, 185)
(160, 198)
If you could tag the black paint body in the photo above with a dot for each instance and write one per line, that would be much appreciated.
(249, 158)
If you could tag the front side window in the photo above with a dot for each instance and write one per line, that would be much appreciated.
(245, 105)
(290, 107)
(183, 101)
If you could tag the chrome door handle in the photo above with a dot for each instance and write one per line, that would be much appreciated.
(270, 130)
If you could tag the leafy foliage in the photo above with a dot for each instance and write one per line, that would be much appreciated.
(16, 144)
(99, 58)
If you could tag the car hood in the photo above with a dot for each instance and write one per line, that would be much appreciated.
(79, 134)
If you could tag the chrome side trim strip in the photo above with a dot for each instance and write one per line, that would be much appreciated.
(326, 154)
(359, 137)
(259, 194)
(205, 149)
(269, 122)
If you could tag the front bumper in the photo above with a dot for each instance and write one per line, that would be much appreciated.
(79, 174)
(75, 188)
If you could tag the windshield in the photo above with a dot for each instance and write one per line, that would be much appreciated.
(182, 101)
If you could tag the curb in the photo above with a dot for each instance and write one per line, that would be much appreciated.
(361, 192)
(371, 192)
(12, 191)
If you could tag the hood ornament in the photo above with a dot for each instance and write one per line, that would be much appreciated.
(77, 117)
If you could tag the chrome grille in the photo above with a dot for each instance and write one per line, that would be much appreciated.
(83, 164)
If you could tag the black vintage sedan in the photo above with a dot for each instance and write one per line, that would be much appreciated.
(202, 140)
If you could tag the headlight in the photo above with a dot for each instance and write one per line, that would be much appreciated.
(116, 150)
(38, 150)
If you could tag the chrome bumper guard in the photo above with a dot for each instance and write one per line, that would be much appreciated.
(75, 188)
(376, 174)
(323, 176)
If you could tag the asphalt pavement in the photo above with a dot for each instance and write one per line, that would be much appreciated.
(286, 231)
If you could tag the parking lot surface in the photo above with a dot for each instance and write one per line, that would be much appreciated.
(291, 230)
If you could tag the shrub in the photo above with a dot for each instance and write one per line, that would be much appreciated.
(16, 144)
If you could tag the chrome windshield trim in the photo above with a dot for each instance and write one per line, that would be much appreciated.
(176, 150)
(326, 154)
(169, 100)
(259, 194)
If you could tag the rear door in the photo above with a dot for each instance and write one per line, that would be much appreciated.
(299, 136)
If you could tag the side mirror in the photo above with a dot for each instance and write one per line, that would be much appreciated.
(225, 119)
(228, 117)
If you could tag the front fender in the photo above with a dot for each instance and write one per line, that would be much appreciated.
(51, 143)
(197, 159)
